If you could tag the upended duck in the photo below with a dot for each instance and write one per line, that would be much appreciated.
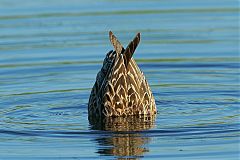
(121, 88)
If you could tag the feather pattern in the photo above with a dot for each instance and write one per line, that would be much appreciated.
(121, 88)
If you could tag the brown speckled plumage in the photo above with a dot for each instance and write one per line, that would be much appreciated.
(121, 88)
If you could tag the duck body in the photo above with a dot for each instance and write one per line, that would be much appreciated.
(121, 88)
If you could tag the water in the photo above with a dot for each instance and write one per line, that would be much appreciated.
(51, 52)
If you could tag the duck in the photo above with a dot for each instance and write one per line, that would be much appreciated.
(121, 88)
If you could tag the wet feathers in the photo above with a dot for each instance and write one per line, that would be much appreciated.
(121, 88)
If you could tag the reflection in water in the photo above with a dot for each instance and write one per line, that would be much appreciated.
(127, 140)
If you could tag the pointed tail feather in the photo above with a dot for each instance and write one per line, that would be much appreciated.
(130, 49)
(116, 44)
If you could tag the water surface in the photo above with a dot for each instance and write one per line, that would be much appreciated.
(51, 52)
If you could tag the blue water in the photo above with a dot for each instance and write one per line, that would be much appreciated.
(51, 51)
